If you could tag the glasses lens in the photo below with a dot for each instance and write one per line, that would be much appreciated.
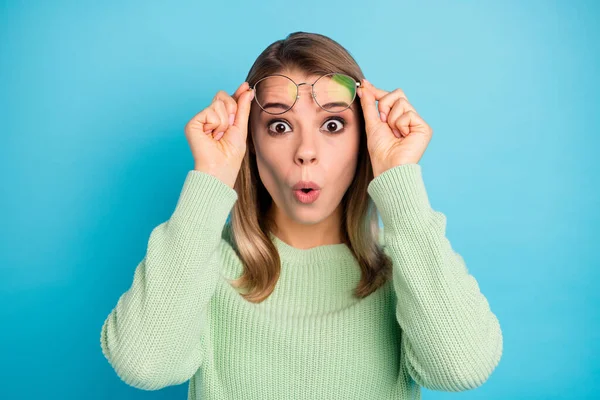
(276, 94)
(335, 92)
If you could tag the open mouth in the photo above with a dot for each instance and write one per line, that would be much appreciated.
(307, 195)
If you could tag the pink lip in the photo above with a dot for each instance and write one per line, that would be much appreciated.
(307, 198)
(306, 184)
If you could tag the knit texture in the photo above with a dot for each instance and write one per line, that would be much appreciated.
(430, 326)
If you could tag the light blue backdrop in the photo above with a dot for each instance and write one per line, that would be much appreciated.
(93, 103)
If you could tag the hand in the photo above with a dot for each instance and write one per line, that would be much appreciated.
(221, 153)
(396, 134)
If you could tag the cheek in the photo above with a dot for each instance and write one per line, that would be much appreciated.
(346, 151)
(344, 171)
(270, 169)
(341, 164)
(269, 158)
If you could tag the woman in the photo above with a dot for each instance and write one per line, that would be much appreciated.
(298, 296)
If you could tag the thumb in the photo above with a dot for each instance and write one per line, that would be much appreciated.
(243, 110)
(367, 102)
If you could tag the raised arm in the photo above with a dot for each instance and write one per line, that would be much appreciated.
(451, 340)
(152, 336)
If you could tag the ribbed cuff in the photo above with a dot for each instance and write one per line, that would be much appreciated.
(399, 194)
(204, 200)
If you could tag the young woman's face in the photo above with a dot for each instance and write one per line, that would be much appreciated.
(306, 143)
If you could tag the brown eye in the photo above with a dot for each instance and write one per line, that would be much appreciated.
(277, 127)
(334, 125)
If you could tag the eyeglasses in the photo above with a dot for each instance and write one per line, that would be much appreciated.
(277, 93)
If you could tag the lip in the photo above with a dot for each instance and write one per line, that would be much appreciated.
(307, 198)
(306, 184)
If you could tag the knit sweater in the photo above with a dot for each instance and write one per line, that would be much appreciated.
(429, 326)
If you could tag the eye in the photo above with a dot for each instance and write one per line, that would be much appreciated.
(334, 122)
(277, 127)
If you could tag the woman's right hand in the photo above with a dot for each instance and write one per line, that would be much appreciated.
(217, 134)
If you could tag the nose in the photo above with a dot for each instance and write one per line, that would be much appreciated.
(306, 159)
(306, 153)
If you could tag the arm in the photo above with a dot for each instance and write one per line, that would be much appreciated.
(151, 338)
(451, 340)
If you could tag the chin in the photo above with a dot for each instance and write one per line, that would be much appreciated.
(306, 215)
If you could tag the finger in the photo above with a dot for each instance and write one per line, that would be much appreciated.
(230, 104)
(386, 100)
(393, 100)
(219, 107)
(243, 112)
(378, 93)
(241, 89)
(367, 102)
(212, 120)
(406, 120)
(400, 106)
(219, 135)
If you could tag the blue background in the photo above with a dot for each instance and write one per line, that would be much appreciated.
(93, 156)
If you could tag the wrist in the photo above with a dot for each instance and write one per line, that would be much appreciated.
(220, 173)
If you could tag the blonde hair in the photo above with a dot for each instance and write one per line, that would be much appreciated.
(250, 225)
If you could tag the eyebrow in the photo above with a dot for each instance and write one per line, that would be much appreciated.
(284, 107)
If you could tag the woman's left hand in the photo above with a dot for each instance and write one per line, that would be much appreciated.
(396, 134)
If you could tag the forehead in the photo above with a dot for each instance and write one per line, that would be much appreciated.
(299, 76)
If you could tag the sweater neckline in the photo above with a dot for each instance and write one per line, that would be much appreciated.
(292, 254)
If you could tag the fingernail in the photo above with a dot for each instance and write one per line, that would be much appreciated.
(383, 116)
(219, 135)
(231, 119)
(396, 132)
(359, 92)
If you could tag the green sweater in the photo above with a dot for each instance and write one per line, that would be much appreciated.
(180, 320)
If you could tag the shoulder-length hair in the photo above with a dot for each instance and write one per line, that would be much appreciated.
(250, 225)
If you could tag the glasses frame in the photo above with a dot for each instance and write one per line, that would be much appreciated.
(312, 90)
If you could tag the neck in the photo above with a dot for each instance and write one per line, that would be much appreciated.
(307, 236)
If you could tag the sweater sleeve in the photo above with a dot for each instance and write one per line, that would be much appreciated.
(451, 340)
(151, 338)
